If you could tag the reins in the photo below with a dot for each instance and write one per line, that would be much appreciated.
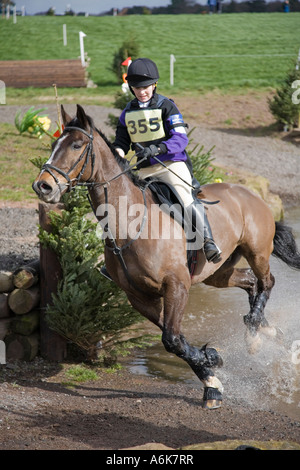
(88, 152)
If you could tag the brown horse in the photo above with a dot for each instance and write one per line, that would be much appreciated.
(153, 270)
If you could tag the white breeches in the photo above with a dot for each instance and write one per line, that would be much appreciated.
(180, 168)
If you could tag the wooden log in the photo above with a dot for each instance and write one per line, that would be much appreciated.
(25, 324)
(4, 307)
(6, 281)
(4, 327)
(21, 347)
(27, 276)
(53, 346)
(43, 73)
(22, 301)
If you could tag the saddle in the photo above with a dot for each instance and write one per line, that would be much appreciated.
(167, 197)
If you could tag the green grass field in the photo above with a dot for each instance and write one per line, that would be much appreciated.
(212, 51)
(16, 170)
(243, 35)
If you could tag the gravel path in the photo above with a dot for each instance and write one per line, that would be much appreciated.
(273, 158)
(18, 237)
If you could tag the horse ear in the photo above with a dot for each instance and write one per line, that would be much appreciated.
(65, 116)
(82, 117)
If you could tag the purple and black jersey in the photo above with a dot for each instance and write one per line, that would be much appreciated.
(159, 122)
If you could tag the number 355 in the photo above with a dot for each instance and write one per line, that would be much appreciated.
(142, 126)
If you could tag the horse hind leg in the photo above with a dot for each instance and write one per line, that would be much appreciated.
(201, 361)
(230, 276)
(258, 293)
(255, 320)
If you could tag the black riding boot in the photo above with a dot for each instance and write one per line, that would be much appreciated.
(211, 250)
(203, 231)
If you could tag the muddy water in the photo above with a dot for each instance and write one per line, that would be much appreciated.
(269, 379)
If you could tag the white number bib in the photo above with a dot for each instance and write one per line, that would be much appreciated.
(145, 125)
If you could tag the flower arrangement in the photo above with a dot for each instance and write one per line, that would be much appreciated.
(32, 123)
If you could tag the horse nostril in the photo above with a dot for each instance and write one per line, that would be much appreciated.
(45, 188)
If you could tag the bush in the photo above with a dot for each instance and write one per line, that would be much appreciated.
(129, 48)
(202, 162)
(281, 106)
(121, 100)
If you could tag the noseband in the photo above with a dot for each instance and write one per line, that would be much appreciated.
(87, 153)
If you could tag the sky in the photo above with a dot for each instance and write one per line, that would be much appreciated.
(89, 6)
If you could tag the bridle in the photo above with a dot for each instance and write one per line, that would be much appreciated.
(88, 153)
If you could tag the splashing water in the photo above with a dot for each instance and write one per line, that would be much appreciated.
(267, 380)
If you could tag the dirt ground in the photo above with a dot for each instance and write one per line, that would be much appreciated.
(120, 410)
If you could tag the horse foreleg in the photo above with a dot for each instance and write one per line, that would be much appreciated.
(150, 307)
(201, 360)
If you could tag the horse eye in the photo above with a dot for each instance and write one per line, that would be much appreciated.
(77, 145)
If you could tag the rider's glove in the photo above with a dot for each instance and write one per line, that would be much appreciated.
(152, 151)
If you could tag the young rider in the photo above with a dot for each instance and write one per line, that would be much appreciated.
(152, 126)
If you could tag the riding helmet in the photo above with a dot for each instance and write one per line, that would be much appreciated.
(142, 72)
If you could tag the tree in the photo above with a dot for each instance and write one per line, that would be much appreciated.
(283, 105)
(181, 6)
(257, 6)
(4, 4)
(50, 12)
(88, 309)
(129, 48)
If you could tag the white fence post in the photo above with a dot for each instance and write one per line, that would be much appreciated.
(172, 60)
(2, 92)
(81, 36)
(65, 34)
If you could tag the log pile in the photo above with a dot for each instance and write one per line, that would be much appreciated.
(20, 311)
(24, 296)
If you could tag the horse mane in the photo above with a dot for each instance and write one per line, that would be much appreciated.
(122, 162)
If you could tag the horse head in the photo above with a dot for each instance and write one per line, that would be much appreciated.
(71, 159)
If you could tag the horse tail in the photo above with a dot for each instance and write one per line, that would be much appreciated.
(285, 247)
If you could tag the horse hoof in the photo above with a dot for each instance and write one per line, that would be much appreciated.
(212, 404)
(273, 332)
(253, 342)
(270, 331)
(212, 398)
